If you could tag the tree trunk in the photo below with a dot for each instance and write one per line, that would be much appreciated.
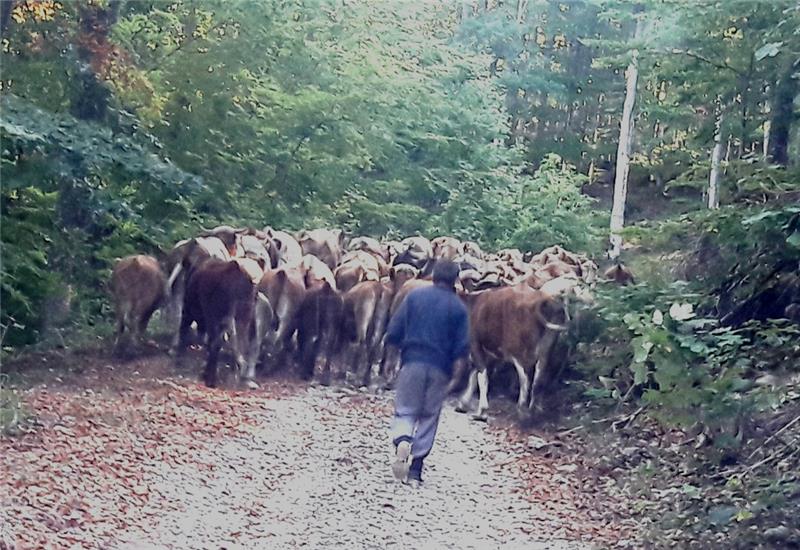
(716, 157)
(466, 9)
(6, 8)
(91, 99)
(522, 6)
(782, 113)
(746, 80)
(624, 150)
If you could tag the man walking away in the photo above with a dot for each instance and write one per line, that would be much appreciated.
(431, 328)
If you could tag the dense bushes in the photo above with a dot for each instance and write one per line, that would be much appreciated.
(701, 335)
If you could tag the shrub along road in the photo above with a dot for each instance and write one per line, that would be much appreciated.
(134, 455)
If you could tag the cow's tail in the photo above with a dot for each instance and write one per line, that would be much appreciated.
(176, 271)
(547, 323)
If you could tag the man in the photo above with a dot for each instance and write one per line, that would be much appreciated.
(431, 328)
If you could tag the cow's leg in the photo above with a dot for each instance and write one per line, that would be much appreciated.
(214, 347)
(262, 320)
(183, 336)
(360, 367)
(319, 366)
(466, 397)
(391, 362)
(483, 394)
(237, 346)
(376, 342)
(542, 375)
(120, 330)
(133, 329)
(180, 332)
(524, 383)
(145, 320)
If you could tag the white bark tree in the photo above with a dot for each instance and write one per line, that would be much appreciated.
(716, 157)
(624, 150)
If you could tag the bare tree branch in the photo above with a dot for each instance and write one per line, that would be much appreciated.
(717, 64)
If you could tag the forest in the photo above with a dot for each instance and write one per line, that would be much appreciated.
(662, 135)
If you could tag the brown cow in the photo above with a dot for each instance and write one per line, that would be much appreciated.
(222, 296)
(368, 244)
(517, 325)
(357, 266)
(316, 272)
(619, 274)
(287, 250)
(415, 251)
(393, 249)
(250, 246)
(285, 288)
(469, 248)
(445, 248)
(317, 322)
(139, 287)
(510, 255)
(227, 234)
(390, 363)
(365, 316)
(325, 244)
(185, 257)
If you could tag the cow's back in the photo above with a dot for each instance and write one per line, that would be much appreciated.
(217, 288)
(285, 289)
(506, 322)
(138, 281)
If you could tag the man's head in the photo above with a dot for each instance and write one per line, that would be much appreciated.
(445, 273)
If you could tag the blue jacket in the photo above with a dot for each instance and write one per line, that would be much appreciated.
(431, 326)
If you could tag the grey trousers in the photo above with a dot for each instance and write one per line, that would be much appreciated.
(419, 394)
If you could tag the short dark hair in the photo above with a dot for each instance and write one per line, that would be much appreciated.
(445, 272)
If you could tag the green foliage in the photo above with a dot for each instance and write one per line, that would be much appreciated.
(26, 273)
(692, 350)
(688, 369)
(41, 144)
(549, 208)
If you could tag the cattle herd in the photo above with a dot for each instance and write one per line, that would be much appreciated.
(318, 301)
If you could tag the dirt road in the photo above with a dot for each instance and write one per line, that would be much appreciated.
(138, 456)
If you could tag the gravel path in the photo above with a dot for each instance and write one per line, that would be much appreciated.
(287, 466)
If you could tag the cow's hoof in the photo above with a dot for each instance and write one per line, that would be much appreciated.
(525, 415)
(251, 385)
(461, 408)
(480, 417)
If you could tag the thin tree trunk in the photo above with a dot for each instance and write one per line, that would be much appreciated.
(624, 150)
(6, 7)
(522, 6)
(746, 80)
(716, 157)
(782, 114)
(466, 9)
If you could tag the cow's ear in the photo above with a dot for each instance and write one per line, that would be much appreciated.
(339, 234)
(300, 235)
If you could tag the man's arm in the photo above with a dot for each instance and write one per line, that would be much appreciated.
(460, 353)
(396, 331)
(459, 367)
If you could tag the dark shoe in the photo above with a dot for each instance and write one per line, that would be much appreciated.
(415, 472)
